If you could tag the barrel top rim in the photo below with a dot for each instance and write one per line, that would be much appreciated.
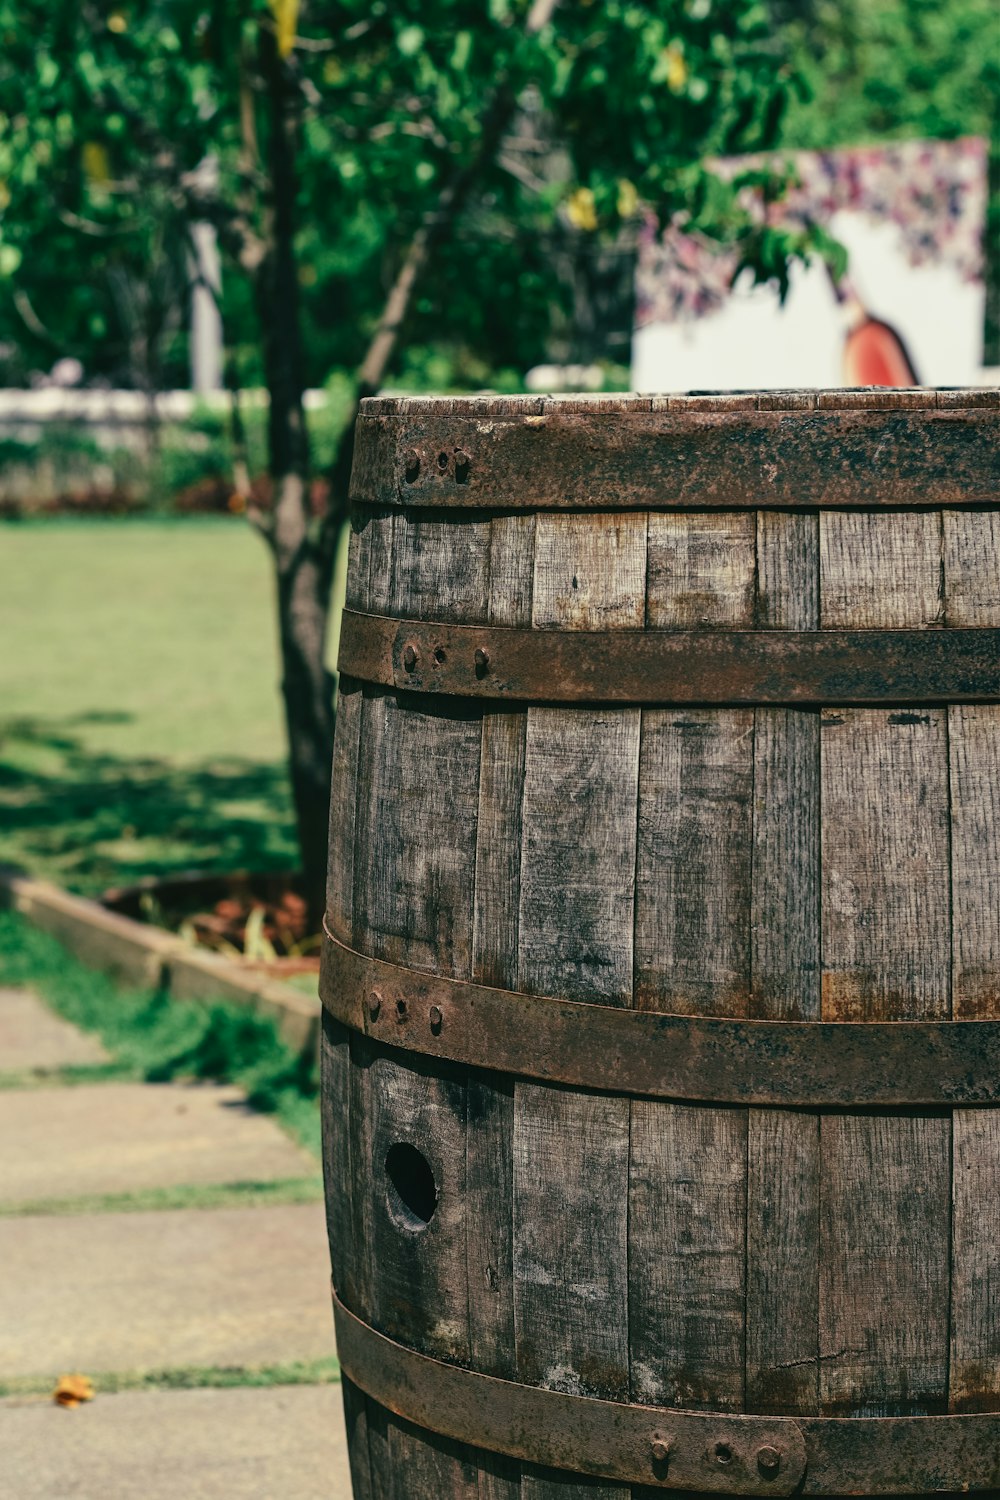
(867, 398)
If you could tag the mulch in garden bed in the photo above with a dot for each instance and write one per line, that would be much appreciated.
(260, 919)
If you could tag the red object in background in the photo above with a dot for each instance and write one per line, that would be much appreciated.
(874, 354)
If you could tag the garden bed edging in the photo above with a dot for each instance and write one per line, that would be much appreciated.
(137, 954)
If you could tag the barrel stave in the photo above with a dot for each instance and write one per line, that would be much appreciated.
(884, 1254)
(783, 1175)
(971, 551)
(577, 876)
(687, 1188)
(412, 902)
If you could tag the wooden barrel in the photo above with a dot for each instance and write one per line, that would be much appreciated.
(662, 976)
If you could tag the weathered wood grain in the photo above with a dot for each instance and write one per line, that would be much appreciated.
(419, 1293)
(687, 1180)
(782, 1306)
(971, 544)
(498, 848)
(590, 572)
(356, 1421)
(886, 909)
(975, 1298)
(692, 931)
(343, 799)
(408, 1280)
(370, 560)
(782, 1292)
(972, 597)
(335, 1102)
(785, 940)
(358, 559)
(785, 905)
(701, 570)
(415, 836)
(974, 743)
(415, 841)
(575, 939)
(578, 854)
(547, 1484)
(410, 1463)
(490, 1250)
(884, 1261)
(687, 1204)
(880, 570)
(511, 569)
(570, 1267)
(499, 1477)
(356, 1278)
(787, 570)
(440, 567)
(884, 1248)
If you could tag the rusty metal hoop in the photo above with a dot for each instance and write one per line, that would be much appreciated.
(707, 1059)
(792, 450)
(707, 1452)
(673, 666)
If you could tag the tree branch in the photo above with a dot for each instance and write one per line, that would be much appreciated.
(496, 117)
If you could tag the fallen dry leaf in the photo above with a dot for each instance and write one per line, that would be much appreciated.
(72, 1389)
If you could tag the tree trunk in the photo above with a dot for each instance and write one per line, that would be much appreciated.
(302, 550)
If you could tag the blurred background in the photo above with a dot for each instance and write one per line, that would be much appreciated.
(223, 223)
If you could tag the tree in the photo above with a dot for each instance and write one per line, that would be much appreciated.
(880, 70)
(335, 119)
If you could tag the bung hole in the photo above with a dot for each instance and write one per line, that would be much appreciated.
(413, 1193)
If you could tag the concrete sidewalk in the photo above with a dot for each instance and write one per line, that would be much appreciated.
(190, 1289)
(283, 1443)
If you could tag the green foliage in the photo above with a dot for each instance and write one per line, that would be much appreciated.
(892, 70)
(158, 1038)
(139, 723)
(108, 110)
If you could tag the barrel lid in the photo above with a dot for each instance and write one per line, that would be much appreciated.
(867, 398)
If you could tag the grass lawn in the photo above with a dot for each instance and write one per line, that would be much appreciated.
(140, 720)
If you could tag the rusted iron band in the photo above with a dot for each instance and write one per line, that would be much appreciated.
(673, 666)
(706, 1452)
(691, 458)
(705, 1059)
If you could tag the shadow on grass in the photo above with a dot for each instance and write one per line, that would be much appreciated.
(89, 818)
